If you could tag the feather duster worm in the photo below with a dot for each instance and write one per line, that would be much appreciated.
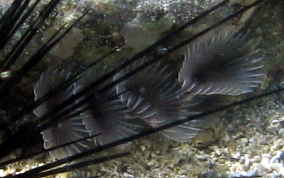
(155, 95)
(105, 114)
(221, 65)
(65, 131)
(158, 99)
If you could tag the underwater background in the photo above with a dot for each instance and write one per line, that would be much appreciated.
(243, 141)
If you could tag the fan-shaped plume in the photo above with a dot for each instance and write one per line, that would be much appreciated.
(65, 131)
(221, 65)
(105, 114)
(155, 96)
